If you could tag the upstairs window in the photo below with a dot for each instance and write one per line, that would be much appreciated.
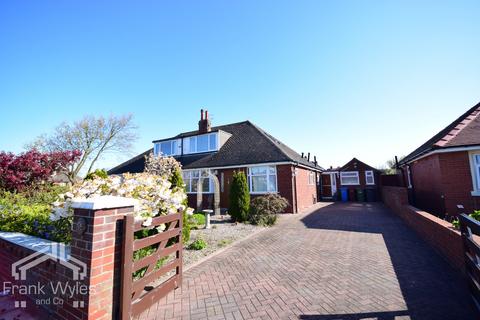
(167, 148)
(369, 178)
(262, 179)
(202, 143)
(349, 178)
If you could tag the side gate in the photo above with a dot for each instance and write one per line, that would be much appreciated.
(470, 229)
(151, 262)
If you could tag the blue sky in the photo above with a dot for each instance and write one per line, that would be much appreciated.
(370, 79)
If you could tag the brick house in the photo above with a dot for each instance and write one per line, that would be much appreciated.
(270, 165)
(443, 174)
(354, 175)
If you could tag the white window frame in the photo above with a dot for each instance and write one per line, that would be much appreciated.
(194, 139)
(157, 147)
(311, 178)
(475, 170)
(267, 174)
(367, 174)
(349, 184)
(187, 175)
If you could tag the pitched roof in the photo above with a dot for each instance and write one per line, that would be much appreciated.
(248, 144)
(355, 162)
(464, 131)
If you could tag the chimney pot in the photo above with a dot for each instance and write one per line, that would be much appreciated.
(206, 114)
(308, 157)
(201, 114)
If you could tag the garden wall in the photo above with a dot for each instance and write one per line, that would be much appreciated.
(96, 245)
(437, 232)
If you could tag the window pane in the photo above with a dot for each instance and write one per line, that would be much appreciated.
(195, 173)
(477, 159)
(206, 185)
(202, 143)
(272, 183)
(258, 170)
(194, 185)
(174, 147)
(192, 144)
(166, 148)
(259, 184)
(271, 170)
(213, 142)
(187, 185)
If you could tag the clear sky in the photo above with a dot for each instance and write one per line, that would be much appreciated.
(370, 79)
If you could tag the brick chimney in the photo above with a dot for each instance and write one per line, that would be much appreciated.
(204, 124)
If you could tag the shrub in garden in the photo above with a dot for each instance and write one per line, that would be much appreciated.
(198, 219)
(176, 180)
(100, 173)
(198, 244)
(32, 168)
(239, 197)
(264, 209)
(29, 213)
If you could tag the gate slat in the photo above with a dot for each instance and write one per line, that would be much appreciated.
(139, 264)
(127, 257)
(145, 242)
(140, 284)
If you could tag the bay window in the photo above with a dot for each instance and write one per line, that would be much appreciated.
(349, 178)
(262, 179)
(190, 178)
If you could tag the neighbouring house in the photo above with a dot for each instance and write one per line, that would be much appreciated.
(270, 165)
(443, 174)
(354, 175)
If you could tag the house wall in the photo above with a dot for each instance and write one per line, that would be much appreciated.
(285, 186)
(427, 183)
(361, 168)
(457, 182)
(443, 181)
(306, 194)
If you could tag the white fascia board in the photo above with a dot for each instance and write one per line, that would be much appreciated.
(446, 150)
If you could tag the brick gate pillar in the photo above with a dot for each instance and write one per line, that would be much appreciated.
(97, 241)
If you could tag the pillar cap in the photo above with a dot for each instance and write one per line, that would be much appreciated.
(103, 202)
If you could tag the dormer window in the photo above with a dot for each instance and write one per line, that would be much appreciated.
(201, 143)
(167, 148)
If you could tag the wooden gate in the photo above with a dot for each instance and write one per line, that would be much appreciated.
(470, 229)
(151, 262)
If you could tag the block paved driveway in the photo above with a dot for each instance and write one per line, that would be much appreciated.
(342, 261)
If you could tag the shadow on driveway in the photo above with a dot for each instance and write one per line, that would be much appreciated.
(430, 287)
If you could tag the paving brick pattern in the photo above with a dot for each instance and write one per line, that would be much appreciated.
(343, 261)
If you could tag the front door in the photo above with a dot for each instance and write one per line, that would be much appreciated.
(326, 186)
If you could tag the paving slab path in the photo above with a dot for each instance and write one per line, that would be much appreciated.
(341, 261)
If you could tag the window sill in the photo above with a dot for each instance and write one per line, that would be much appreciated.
(204, 192)
(266, 192)
(476, 193)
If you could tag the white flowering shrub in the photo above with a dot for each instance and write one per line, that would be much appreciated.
(161, 166)
(154, 193)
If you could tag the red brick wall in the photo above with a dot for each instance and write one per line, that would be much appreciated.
(437, 232)
(306, 194)
(285, 186)
(99, 247)
(457, 181)
(427, 182)
(443, 181)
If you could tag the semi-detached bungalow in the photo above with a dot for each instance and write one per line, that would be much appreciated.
(443, 174)
(270, 165)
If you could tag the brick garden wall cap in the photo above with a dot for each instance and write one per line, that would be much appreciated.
(104, 202)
